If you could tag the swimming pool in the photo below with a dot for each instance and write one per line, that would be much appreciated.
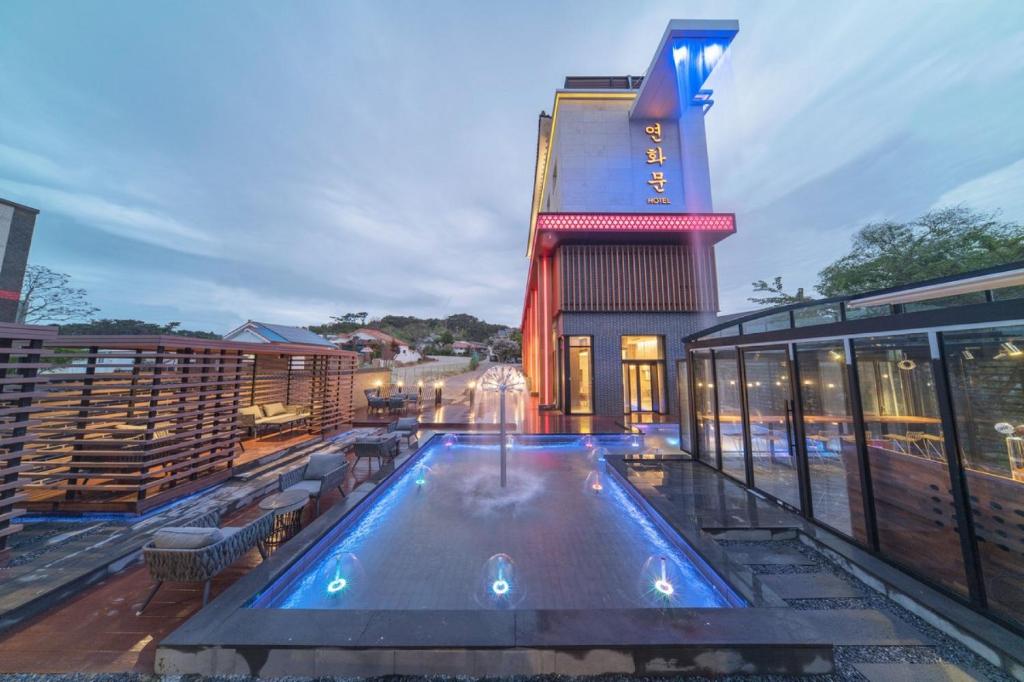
(566, 534)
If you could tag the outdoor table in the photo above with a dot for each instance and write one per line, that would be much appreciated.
(287, 507)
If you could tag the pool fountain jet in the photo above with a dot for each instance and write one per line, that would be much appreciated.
(503, 379)
(499, 585)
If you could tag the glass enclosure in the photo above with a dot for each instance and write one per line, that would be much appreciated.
(770, 423)
(905, 435)
(730, 419)
(914, 508)
(685, 435)
(704, 405)
(832, 468)
(986, 377)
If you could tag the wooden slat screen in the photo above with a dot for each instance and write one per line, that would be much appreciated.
(124, 428)
(22, 358)
(635, 277)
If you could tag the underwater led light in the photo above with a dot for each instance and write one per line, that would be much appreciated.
(420, 481)
(597, 487)
(500, 587)
(664, 586)
(337, 585)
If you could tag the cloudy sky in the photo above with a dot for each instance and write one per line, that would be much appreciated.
(210, 162)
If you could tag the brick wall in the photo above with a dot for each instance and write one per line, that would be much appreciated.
(608, 330)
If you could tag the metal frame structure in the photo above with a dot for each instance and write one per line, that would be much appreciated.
(932, 323)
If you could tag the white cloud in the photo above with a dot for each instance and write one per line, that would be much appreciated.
(1002, 189)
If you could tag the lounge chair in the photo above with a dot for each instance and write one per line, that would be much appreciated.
(323, 471)
(396, 404)
(377, 404)
(198, 550)
(272, 416)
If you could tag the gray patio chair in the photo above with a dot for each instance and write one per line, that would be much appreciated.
(323, 471)
(396, 404)
(384, 447)
(198, 550)
(408, 428)
(376, 404)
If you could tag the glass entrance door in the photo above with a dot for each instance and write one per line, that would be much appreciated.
(770, 423)
(643, 386)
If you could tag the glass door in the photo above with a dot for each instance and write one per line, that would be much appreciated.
(770, 423)
(642, 385)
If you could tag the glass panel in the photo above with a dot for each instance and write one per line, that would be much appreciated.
(909, 477)
(769, 323)
(646, 389)
(729, 413)
(945, 302)
(1006, 293)
(768, 405)
(859, 313)
(642, 348)
(832, 464)
(722, 333)
(704, 399)
(817, 314)
(580, 379)
(986, 376)
(634, 403)
(683, 384)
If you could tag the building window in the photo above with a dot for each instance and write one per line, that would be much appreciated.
(914, 508)
(683, 400)
(832, 464)
(643, 374)
(581, 375)
(986, 378)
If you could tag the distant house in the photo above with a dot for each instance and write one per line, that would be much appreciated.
(390, 347)
(468, 347)
(262, 332)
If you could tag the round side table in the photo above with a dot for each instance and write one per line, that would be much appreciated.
(287, 507)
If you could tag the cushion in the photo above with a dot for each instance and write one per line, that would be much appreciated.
(311, 487)
(186, 537)
(255, 411)
(407, 424)
(274, 409)
(322, 464)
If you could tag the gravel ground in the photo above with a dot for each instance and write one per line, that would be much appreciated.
(946, 650)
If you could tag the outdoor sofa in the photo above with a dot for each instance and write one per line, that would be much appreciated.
(272, 417)
(198, 550)
(323, 471)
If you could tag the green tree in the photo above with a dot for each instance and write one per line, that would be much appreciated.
(943, 242)
(776, 295)
(132, 327)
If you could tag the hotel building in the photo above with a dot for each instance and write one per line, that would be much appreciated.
(622, 232)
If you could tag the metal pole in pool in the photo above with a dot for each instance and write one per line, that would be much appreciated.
(504, 449)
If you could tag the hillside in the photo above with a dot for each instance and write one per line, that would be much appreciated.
(461, 326)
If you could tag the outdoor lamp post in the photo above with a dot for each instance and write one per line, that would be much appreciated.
(378, 384)
(438, 385)
(503, 379)
(419, 391)
(472, 392)
(401, 385)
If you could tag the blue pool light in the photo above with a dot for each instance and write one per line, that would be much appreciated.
(500, 587)
(664, 586)
(337, 585)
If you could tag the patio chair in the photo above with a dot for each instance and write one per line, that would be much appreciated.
(396, 404)
(377, 404)
(408, 428)
(198, 550)
(323, 471)
(384, 447)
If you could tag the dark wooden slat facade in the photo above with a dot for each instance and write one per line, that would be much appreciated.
(128, 423)
(22, 358)
(635, 278)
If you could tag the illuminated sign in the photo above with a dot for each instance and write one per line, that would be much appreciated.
(656, 155)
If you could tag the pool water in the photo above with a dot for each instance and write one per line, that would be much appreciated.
(564, 534)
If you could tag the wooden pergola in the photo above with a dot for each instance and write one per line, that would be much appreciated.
(127, 423)
(22, 357)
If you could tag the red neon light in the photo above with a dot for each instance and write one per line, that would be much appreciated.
(10, 295)
(638, 222)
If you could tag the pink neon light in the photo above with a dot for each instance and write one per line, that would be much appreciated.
(638, 222)
(10, 295)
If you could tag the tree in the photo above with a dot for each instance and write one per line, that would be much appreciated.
(943, 242)
(47, 296)
(777, 296)
(132, 328)
(505, 350)
(446, 338)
